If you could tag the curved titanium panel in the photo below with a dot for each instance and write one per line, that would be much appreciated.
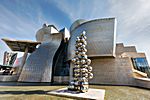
(60, 66)
(100, 37)
(38, 67)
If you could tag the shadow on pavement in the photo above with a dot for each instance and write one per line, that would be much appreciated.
(24, 92)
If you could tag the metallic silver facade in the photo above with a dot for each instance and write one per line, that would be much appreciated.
(101, 37)
(38, 67)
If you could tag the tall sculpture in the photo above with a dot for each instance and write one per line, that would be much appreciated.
(82, 70)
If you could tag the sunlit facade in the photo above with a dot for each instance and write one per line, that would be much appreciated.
(113, 63)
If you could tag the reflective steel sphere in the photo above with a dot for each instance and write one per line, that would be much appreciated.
(80, 44)
(85, 66)
(85, 37)
(84, 49)
(76, 83)
(76, 52)
(74, 60)
(83, 46)
(85, 75)
(78, 62)
(83, 62)
(85, 57)
(79, 49)
(77, 70)
(90, 76)
(72, 82)
(77, 74)
(84, 79)
(82, 53)
(85, 43)
(83, 33)
(77, 66)
(88, 61)
(76, 46)
(75, 78)
(78, 39)
(84, 70)
(82, 40)
(89, 68)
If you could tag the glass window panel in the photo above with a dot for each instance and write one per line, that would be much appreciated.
(141, 64)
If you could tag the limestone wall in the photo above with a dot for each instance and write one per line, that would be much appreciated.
(142, 82)
(8, 78)
(120, 48)
(114, 71)
(61, 79)
(133, 54)
(129, 49)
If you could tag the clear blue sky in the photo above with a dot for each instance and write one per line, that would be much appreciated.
(20, 19)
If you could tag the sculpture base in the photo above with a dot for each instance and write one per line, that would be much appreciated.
(97, 94)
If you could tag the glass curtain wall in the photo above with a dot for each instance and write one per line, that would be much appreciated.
(141, 64)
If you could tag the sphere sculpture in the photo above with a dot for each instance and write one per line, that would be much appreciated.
(82, 70)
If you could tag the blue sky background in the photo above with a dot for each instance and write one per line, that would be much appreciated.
(20, 19)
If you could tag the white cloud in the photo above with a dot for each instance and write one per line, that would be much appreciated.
(15, 27)
(80, 9)
(18, 26)
(133, 22)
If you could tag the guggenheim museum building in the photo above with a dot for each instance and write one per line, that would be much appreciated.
(48, 59)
